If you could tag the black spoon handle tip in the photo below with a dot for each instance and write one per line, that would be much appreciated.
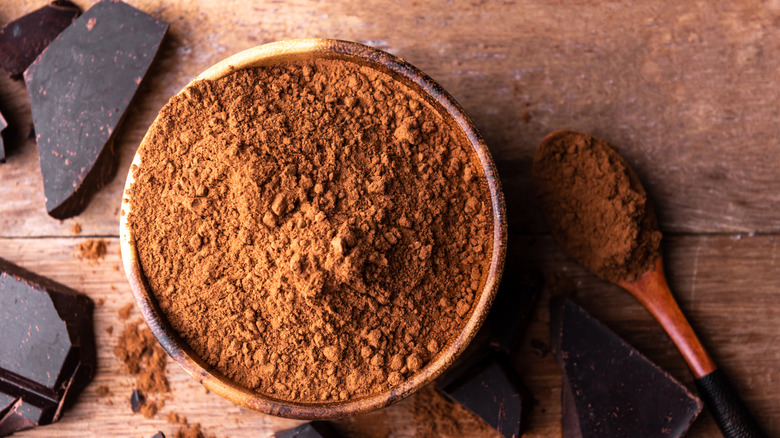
(727, 408)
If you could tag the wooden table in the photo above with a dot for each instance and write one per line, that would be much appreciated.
(688, 92)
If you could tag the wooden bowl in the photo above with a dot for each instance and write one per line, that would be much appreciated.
(196, 367)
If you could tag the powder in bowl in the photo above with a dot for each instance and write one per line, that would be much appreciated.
(315, 230)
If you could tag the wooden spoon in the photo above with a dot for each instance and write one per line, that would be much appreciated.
(651, 289)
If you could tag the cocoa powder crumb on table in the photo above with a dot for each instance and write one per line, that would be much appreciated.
(186, 430)
(435, 416)
(92, 249)
(149, 409)
(315, 231)
(193, 431)
(125, 311)
(144, 358)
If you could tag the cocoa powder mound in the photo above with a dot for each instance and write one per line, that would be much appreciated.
(595, 206)
(315, 230)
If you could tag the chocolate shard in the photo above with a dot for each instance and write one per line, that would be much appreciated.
(137, 400)
(80, 88)
(315, 429)
(47, 351)
(22, 40)
(609, 388)
(512, 308)
(158, 435)
(487, 385)
(3, 125)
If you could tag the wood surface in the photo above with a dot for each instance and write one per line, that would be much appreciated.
(688, 92)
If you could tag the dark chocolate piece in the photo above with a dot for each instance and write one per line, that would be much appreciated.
(80, 88)
(488, 386)
(22, 40)
(137, 400)
(47, 350)
(158, 435)
(609, 388)
(3, 125)
(512, 308)
(315, 429)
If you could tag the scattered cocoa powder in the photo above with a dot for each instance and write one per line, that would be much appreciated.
(149, 409)
(314, 230)
(143, 358)
(186, 430)
(193, 431)
(76, 228)
(103, 391)
(425, 414)
(92, 249)
(596, 206)
(125, 311)
(175, 418)
(436, 416)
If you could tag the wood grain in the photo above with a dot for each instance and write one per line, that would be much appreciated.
(732, 306)
(688, 92)
(724, 285)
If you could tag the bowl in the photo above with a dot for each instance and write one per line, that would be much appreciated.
(433, 93)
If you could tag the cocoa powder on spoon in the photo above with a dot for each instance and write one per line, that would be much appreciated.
(595, 206)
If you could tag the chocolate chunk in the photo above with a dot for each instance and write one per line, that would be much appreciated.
(80, 88)
(512, 308)
(489, 387)
(22, 40)
(137, 400)
(609, 388)
(158, 435)
(3, 125)
(47, 351)
(315, 429)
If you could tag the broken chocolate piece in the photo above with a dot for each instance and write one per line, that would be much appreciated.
(490, 388)
(158, 435)
(3, 125)
(609, 388)
(22, 40)
(137, 400)
(47, 351)
(512, 308)
(315, 429)
(80, 88)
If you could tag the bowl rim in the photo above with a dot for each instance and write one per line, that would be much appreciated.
(213, 380)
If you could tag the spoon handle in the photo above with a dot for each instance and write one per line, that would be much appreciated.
(726, 407)
(728, 410)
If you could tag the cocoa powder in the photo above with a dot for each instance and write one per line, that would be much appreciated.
(595, 206)
(314, 230)
(143, 358)
(92, 249)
